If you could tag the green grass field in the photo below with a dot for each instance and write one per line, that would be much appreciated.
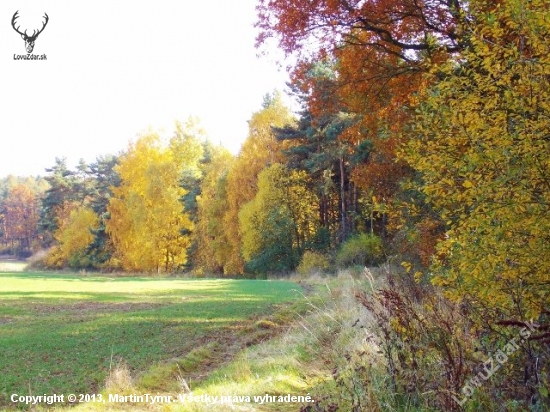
(61, 333)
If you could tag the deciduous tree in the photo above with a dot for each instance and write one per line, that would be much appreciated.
(20, 213)
(483, 150)
(74, 236)
(213, 250)
(261, 148)
(279, 221)
(146, 216)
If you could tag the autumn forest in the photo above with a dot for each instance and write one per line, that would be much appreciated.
(422, 142)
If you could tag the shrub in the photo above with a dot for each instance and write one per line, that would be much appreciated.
(426, 342)
(277, 258)
(313, 262)
(362, 249)
(438, 356)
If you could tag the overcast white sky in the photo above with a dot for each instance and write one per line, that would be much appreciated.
(116, 67)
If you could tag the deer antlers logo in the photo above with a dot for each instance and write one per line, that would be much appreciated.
(29, 40)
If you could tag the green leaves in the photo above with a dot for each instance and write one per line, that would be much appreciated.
(278, 221)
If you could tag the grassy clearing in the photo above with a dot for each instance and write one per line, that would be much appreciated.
(312, 357)
(63, 333)
(319, 344)
(309, 355)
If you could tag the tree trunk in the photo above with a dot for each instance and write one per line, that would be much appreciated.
(343, 210)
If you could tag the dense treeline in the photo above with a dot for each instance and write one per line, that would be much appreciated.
(422, 136)
(445, 106)
(183, 204)
(180, 204)
(19, 214)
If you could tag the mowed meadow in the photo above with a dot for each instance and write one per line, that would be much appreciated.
(65, 333)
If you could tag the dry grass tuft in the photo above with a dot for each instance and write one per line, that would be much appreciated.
(119, 378)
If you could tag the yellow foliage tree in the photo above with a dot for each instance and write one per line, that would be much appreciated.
(146, 215)
(213, 249)
(19, 216)
(279, 221)
(73, 236)
(483, 149)
(260, 149)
